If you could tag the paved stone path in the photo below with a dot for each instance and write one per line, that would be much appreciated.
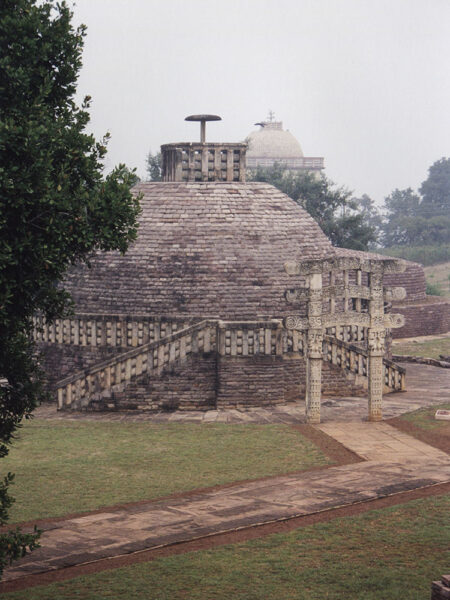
(394, 462)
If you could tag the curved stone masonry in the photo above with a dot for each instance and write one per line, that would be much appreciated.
(204, 250)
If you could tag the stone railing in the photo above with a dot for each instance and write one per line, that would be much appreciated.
(394, 376)
(77, 390)
(236, 338)
(114, 331)
(348, 333)
(355, 359)
(193, 161)
(229, 339)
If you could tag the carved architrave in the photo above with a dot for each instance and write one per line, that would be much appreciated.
(331, 291)
(377, 321)
(345, 263)
(394, 266)
(295, 323)
(390, 321)
(346, 318)
(359, 291)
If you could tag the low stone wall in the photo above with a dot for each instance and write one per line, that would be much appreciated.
(206, 381)
(187, 386)
(423, 318)
(271, 380)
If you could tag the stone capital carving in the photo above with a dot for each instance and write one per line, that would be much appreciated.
(314, 343)
(315, 322)
(376, 342)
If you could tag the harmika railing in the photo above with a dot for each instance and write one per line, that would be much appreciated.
(229, 339)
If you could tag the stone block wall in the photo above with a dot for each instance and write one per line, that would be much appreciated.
(205, 381)
(187, 386)
(270, 380)
(62, 360)
(430, 317)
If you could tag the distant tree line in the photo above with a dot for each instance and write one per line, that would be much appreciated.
(406, 219)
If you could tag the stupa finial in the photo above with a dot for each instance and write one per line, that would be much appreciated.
(203, 119)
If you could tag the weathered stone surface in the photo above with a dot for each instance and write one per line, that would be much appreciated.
(204, 250)
(424, 317)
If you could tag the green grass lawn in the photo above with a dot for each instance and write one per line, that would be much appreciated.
(387, 554)
(73, 466)
(425, 348)
(439, 276)
(424, 418)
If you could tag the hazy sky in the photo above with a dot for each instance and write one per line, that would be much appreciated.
(364, 83)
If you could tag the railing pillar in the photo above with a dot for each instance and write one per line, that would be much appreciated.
(376, 346)
(220, 334)
(314, 340)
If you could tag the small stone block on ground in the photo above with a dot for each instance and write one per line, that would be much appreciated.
(442, 415)
(439, 591)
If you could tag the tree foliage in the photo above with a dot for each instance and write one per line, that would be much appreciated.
(371, 216)
(56, 206)
(332, 207)
(435, 190)
(154, 166)
(414, 220)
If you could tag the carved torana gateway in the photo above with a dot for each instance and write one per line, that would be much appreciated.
(336, 295)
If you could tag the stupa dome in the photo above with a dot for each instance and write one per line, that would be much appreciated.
(271, 141)
(203, 249)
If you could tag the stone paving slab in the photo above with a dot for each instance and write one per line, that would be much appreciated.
(410, 464)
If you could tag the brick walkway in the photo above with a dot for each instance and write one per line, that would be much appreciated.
(394, 462)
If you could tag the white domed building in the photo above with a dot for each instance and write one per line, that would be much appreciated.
(271, 144)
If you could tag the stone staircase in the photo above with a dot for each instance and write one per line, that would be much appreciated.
(125, 378)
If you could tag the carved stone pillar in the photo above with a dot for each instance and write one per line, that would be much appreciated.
(376, 343)
(314, 339)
